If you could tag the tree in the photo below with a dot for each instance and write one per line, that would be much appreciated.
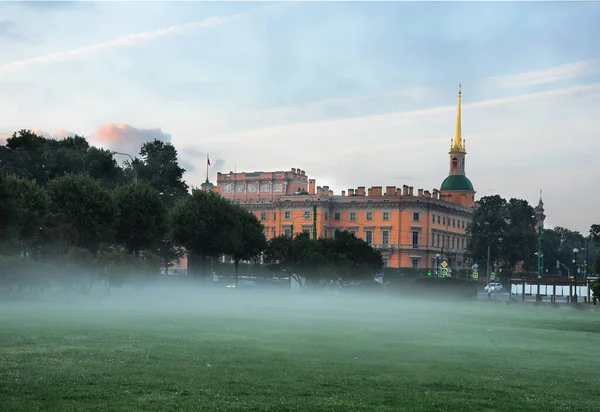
(557, 246)
(361, 260)
(595, 238)
(25, 206)
(83, 213)
(142, 218)
(486, 230)
(519, 241)
(202, 223)
(159, 167)
(247, 240)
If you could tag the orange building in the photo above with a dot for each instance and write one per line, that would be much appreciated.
(410, 228)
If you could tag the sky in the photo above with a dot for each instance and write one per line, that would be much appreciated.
(355, 94)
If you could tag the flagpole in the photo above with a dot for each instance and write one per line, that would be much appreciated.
(207, 161)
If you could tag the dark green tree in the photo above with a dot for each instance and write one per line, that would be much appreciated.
(247, 239)
(25, 205)
(355, 255)
(519, 240)
(557, 246)
(202, 223)
(159, 167)
(142, 218)
(487, 229)
(83, 214)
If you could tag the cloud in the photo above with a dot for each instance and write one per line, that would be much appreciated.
(60, 134)
(128, 40)
(554, 74)
(7, 30)
(125, 138)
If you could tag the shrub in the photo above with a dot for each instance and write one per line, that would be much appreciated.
(437, 288)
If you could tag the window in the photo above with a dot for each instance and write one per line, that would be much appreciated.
(415, 239)
(463, 224)
(415, 263)
(438, 240)
(287, 232)
(326, 215)
(452, 242)
(369, 215)
(352, 216)
(336, 216)
(325, 233)
(352, 232)
(266, 231)
(385, 237)
(433, 218)
(438, 219)
(306, 214)
(263, 216)
(273, 232)
(453, 222)
(462, 243)
(369, 236)
(385, 215)
(416, 216)
(443, 240)
(287, 215)
(274, 216)
(306, 230)
(444, 220)
(386, 262)
(432, 239)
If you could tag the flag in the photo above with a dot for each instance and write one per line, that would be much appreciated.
(207, 161)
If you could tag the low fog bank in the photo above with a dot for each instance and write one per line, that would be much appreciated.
(170, 297)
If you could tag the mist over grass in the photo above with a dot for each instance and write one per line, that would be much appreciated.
(174, 346)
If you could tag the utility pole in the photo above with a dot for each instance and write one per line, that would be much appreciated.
(539, 256)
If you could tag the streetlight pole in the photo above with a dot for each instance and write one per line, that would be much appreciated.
(132, 166)
(437, 264)
(575, 251)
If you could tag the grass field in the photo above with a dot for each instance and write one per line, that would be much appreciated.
(239, 352)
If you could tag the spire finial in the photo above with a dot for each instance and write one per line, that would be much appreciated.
(458, 142)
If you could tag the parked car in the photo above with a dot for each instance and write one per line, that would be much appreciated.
(496, 287)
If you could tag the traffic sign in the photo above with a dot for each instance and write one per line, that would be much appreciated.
(493, 276)
(475, 275)
(444, 272)
(444, 264)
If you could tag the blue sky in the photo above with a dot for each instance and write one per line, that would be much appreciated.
(354, 93)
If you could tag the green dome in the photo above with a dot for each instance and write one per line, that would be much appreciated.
(457, 182)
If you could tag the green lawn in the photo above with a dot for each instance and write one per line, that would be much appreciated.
(234, 353)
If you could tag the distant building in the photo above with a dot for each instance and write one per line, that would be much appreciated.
(409, 227)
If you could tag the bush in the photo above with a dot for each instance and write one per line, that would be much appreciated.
(595, 286)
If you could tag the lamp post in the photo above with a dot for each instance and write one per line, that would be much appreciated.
(292, 228)
(437, 264)
(575, 252)
(132, 167)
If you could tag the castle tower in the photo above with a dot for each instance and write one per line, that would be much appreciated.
(457, 188)
(539, 213)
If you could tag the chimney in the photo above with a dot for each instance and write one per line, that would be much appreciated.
(293, 170)
(369, 191)
(435, 193)
(360, 190)
(330, 193)
(320, 190)
(410, 191)
(376, 191)
(389, 190)
(350, 192)
(398, 192)
(343, 193)
(311, 185)
(420, 192)
(405, 190)
(326, 189)
(428, 194)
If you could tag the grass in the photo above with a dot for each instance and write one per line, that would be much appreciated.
(231, 353)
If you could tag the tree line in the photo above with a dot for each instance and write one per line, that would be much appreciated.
(507, 229)
(71, 208)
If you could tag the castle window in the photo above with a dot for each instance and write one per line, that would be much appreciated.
(433, 218)
(415, 239)
(352, 216)
(287, 215)
(416, 216)
(306, 214)
(263, 216)
(385, 215)
(369, 215)
(415, 263)
(336, 216)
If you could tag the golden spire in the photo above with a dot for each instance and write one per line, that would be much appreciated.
(458, 145)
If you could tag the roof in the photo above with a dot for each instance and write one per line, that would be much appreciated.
(457, 182)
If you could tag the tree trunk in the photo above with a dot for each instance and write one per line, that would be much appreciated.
(236, 265)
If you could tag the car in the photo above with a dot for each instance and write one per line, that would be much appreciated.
(496, 287)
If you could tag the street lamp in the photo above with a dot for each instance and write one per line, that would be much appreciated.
(575, 252)
(132, 166)
(437, 264)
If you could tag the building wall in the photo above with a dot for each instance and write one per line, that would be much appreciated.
(408, 228)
